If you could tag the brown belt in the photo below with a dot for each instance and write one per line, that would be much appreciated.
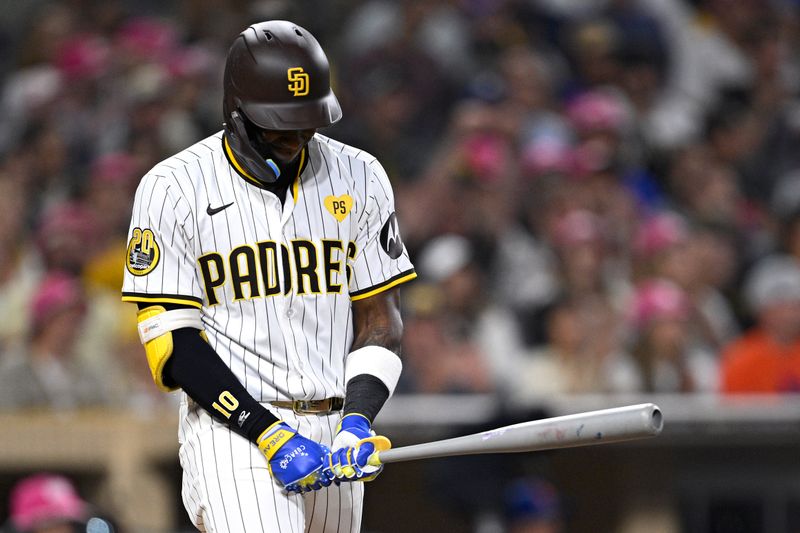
(311, 407)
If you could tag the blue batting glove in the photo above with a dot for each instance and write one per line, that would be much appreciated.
(295, 462)
(354, 444)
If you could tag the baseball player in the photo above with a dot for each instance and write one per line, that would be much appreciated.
(265, 261)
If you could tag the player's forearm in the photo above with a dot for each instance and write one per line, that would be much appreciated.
(377, 322)
(196, 368)
(378, 328)
(385, 337)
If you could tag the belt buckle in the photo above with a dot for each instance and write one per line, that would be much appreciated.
(303, 406)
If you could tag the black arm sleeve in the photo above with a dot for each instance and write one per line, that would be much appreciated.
(196, 368)
(365, 395)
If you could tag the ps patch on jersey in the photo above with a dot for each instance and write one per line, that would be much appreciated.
(339, 206)
(391, 242)
(143, 252)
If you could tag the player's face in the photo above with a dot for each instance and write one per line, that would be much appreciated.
(286, 145)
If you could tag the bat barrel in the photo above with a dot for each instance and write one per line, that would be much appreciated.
(582, 429)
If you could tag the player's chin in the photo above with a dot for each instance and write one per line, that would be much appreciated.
(286, 155)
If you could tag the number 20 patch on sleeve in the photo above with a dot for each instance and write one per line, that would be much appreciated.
(143, 252)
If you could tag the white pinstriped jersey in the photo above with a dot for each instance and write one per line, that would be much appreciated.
(274, 282)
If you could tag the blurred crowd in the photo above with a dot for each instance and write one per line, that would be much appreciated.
(598, 195)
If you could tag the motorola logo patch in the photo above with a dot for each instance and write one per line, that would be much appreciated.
(391, 242)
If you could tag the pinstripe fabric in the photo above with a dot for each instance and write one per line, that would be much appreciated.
(275, 284)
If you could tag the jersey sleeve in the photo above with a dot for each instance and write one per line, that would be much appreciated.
(381, 260)
(160, 261)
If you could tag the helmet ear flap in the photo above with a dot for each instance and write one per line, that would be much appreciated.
(240, 143)
(238, 128)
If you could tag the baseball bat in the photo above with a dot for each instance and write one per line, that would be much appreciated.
(581, 429)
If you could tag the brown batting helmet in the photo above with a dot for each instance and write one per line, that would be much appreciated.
(277, 77)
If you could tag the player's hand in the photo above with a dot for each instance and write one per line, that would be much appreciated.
(354, 444)
(295, 462)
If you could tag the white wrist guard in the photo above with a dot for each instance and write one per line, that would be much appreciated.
(375, 361)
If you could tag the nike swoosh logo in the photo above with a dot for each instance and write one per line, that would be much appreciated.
(214, 210)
